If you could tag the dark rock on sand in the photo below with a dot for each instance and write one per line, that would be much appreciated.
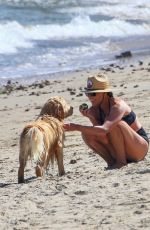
(125, 54)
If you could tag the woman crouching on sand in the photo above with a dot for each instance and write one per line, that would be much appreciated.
(116, 134)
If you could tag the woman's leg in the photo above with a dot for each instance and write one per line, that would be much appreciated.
(100, 148)
(127, 143)
(123, 144)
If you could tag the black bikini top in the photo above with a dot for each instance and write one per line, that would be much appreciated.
(129, 118)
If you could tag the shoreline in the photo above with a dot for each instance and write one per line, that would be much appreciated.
(138, 56)
(88, 196)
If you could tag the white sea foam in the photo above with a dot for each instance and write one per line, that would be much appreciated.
(14, 35)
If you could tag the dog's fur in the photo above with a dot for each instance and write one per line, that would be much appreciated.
(43, 138)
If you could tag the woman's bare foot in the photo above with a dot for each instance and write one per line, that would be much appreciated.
(115, 166)
(119, 165)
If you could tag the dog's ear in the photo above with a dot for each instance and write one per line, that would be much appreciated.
(53, 108)
(59, 111)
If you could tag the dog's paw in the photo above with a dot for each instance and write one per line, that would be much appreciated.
(20, 180)
(39, 171)
(62, 173)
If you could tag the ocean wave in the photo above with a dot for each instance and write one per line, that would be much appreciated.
(122, 11)
(46, 3)
(15, 35)
(74, 4)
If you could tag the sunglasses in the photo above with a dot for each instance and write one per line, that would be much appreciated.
(90, 94)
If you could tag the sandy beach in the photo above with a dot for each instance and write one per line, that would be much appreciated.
(88, 197)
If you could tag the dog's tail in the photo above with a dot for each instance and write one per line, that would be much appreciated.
(32, 140)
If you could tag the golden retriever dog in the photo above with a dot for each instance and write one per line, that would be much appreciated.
(43, 139)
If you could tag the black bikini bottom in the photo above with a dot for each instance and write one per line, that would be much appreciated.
(143, 134)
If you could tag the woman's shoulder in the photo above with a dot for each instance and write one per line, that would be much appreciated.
(119, 102)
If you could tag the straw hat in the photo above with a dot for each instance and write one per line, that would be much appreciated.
(98, 83)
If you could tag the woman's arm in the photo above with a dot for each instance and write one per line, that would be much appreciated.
(115, 115)
(89, 130)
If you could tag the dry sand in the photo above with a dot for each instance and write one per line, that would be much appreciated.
(88, 197)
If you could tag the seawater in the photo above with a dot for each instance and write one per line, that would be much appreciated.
(40, 37)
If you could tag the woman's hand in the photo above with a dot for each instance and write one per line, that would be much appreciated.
(87, 112)
(70, 127)
(92, 113)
